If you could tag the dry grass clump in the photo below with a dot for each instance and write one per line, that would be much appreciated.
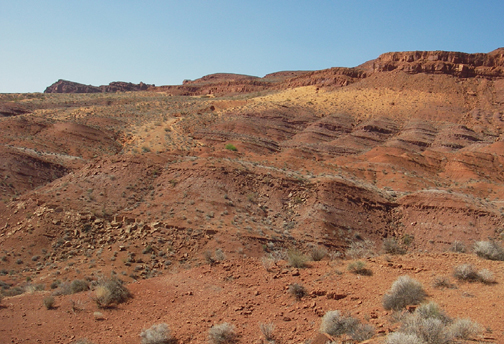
(318, 253)
(49, 302)
(467, 272)
(222, 333)
(78, 286)
(405, 291)
(336, 324)
(156, 334)
(486, 276)
(267, 330)
(297, 290)
(359, 268)
(392, 246)
(464, 329)
(489, 250)
(361, 249)
(403, 338)
(458, 247)
(443, 282)
(111, 292)
(296, 259)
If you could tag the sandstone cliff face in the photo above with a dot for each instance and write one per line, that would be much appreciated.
(64, 86)
(456, 63)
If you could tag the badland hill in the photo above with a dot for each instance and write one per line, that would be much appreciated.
(208, 184)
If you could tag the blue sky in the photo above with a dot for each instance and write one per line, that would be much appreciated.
(165, 42)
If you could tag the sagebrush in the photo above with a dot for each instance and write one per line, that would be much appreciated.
(405, 291)
(156, 334)
(489, 250)
(111, 292)
(336, 324)
(222, 333)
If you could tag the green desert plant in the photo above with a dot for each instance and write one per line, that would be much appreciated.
(231, 147)
(156, 334)
(405, 291)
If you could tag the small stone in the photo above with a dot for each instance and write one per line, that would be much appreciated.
(98, 316)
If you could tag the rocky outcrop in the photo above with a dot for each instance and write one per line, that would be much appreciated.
(64, 86)
(441, 62)
(12, 109)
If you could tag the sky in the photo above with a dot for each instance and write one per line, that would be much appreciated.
(164, 42)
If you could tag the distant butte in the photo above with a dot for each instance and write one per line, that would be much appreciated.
(64, 86)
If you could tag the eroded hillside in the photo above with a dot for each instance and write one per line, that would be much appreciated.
(407, 146)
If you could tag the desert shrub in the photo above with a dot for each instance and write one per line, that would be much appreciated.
(297, 290)
(403, 338)
(148, 249)
(405, 291)
(222, 333)
(359, 268)
(208, 257)
(464, 329)
(219, 254)
(64, 288)
(458, 247)
(486, 276)
(318, 253)
(489, 250)
(361, 249)
(431, 310)
(32, 288)
(430, 325)
(49, 302)
(156, 334)
(79, 285)
(110, 292)
(442, 282)
(267, 330)
(296, 259)
(362, 332)
(391, 246)
(430, 330)
(465, 272)
(14, 291)
(231, 147)
(267, 263)
(336, 324)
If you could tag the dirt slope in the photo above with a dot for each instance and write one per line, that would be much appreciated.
(407, 146)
